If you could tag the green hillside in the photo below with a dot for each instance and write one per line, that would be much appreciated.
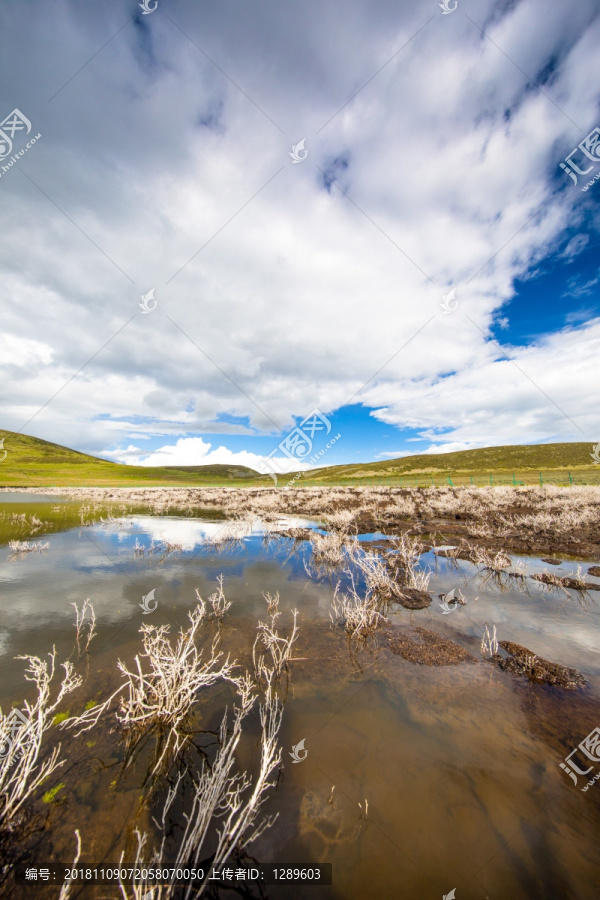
(525, 461)
(32, 462)
(488, 459)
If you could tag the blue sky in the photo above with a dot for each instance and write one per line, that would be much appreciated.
(563, 290)
(425, 273)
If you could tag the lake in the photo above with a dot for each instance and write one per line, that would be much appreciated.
(459, 765)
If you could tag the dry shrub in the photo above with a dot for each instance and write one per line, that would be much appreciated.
(160, 692)
(329, 549)
(222, 800)
(406, 552)
(279, 648)
(217, 600)
(359, 615)
(21, 769)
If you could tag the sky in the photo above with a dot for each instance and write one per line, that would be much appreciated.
(356, 209)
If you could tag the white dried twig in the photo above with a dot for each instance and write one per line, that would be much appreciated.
(21, 773)
(80, 617)
(65, 891)
(279, 648)
(489, 643)
(220, 795)
(166, 680)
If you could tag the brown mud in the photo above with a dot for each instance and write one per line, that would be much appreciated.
(521, 661)
(426, 648)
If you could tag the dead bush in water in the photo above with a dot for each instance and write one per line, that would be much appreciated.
(160, 691)
(217, 601)
(403, 559)
(279, 648)
(87, 610)
(19, 549)
(494, 565)
(272, 602)
(21, 736)
(223, 804)
(359, 615)
(379, 583)
(329, 548)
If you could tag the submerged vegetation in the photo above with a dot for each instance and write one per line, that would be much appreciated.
(213, 778)
(157, 697)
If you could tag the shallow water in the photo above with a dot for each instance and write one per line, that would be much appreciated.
(459, 764)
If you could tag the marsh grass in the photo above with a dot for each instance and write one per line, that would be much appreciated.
(499, 513)
(489, 643)
(20, 549)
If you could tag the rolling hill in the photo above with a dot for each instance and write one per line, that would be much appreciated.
(32, 462)
(563, 457)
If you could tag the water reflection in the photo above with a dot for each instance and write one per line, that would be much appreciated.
(459, 765)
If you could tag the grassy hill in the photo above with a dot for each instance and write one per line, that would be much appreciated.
(488, 459)
(526, 462)
(32, 462)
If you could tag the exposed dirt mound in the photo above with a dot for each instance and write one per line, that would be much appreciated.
(594, 570)
(427, 648)
(552, 561)
(411, 598)
(521, 661)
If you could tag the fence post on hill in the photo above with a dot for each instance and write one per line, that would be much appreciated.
(450, 481)
(471, 477)
(541, 481)
(491, 479)
(570, 479)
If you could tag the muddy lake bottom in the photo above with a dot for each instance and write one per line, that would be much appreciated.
(460, 764)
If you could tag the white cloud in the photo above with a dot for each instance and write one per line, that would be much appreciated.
(196, 452)
(395, 454)
(575, 246)
(294, 296)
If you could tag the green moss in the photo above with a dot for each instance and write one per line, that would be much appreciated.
(60, 717)
(91, 704)
(51, 794)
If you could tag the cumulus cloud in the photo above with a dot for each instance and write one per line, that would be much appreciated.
(196, 452)
(282, 287)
